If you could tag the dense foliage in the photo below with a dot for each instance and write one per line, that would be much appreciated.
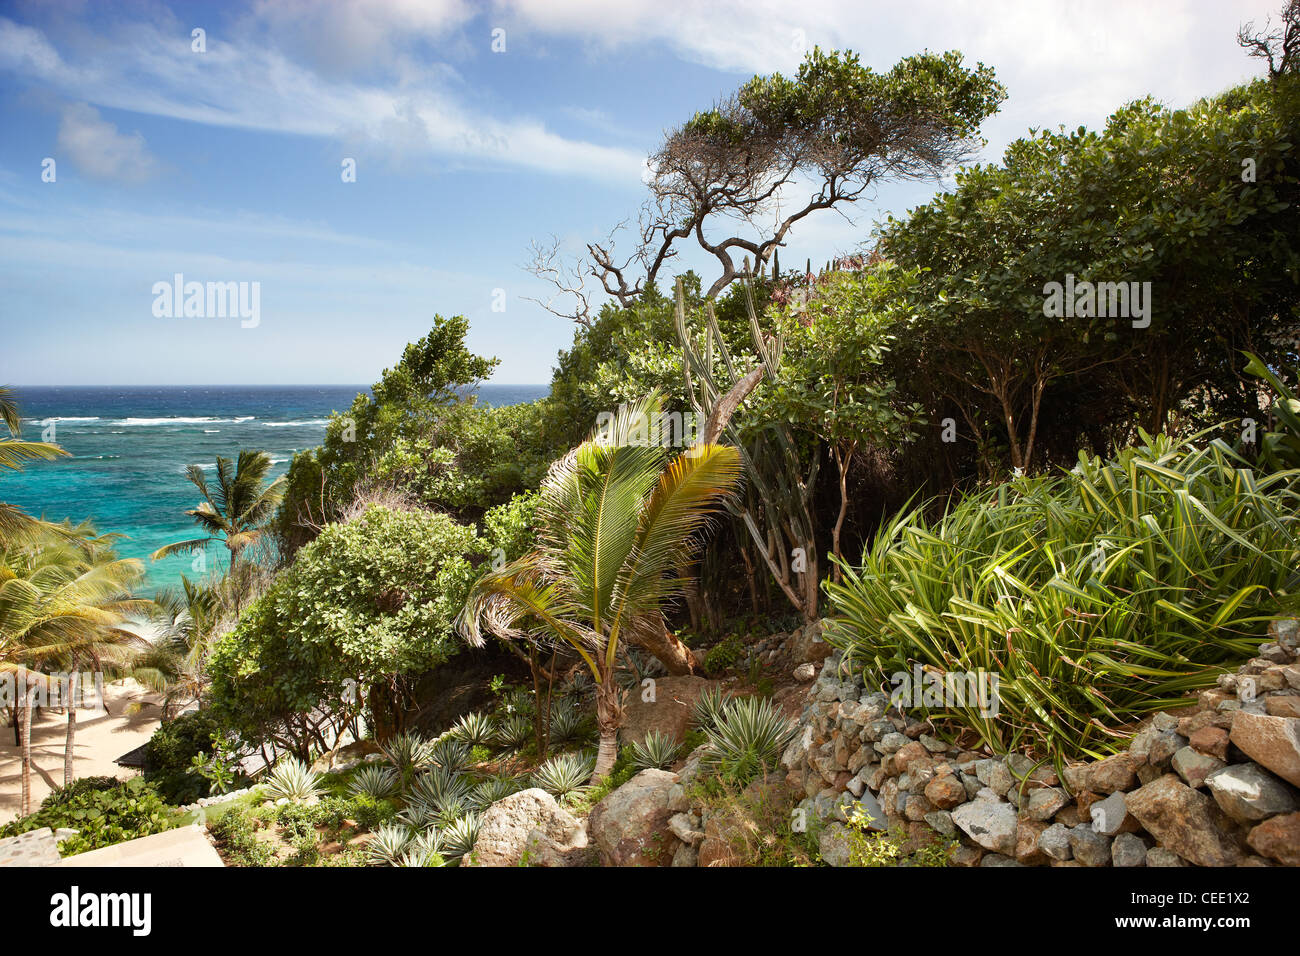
(104, 811)
(1095, 597)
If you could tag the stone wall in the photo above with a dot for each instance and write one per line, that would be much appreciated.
(1212, 784)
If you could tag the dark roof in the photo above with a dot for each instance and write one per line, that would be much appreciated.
(132, 758)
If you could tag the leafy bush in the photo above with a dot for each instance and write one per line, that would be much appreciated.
(1280, 447)
(236, 832)
(1095, 597)
(657, 750)
(291, 779)
(104, 814)
(748, 739)
(722, 655)
(892, 847)
(170, 753)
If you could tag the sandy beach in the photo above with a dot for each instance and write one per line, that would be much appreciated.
(130, 716)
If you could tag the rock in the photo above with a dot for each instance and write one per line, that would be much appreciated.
(1181, 819)
(892, 742)
(1055, 842)
(805, 672)
(966, 855)
(669, 713)
(1278, 838)
(945, 792)
(1194, 767)
(1282, 705)
(997, 859)
(941, 822)
(1044, 802)
(1156, 746)
(907, 754)
(1128, 850)
(833, 842)
(1210, 740)
(994, 775)
(686, 855)
(1249, 794)
(1089, 847)
(1273, 742)
(1111, 815)
(1027, 849)
(685, 829)
(630, 826)
(507, 824)
(990, 823)
(1114, 773)
(933, 744)
(806, 644)
(1159, 856)
(543, 850)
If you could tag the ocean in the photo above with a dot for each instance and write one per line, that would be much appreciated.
(129, 447)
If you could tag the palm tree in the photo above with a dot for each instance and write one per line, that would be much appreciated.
(13, 452)
(175, 664)
(615, 520)
(238, 508)
(64, 598)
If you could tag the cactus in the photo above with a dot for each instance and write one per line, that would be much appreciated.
(771, 458)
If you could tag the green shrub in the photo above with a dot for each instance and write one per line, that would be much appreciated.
(171, 750)
(892, 847)
(103, 814)
(236, 832)
(723, 655)
(1094, 597)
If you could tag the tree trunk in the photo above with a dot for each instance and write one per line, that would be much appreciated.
(25, 720)
(609, 717)
(70, 743)
(676, 656)
(842, 462)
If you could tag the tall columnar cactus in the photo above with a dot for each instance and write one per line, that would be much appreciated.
(780, 520)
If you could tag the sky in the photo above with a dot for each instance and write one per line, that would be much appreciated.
(133, 149)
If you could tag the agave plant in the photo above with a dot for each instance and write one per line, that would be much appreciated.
(292, 779)
(459, 837)
(438, 786)
(657, 750)
(449, 753)
(709, 707)
(425, 849)
(374, 782)
(564, 774)
(420, 814)
(519, 700)
(491, 790)
(748, 739)
(388, 844)
(408, 753)
(615, 517)
(566, 721)
(513, 732)
(474, 729)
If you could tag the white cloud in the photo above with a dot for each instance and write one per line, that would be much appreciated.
(95, 146)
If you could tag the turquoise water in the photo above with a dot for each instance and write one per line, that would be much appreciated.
(129, 447)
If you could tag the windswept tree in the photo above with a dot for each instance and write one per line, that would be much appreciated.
(735, 179)
(616, 518)
(1278, 46)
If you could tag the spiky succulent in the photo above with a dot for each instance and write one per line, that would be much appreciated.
(709, 707)
(657, 750)
(567, 722)
(375, 782)
(491, 790)
(513, 732)
(292, 779)
(519, 700)
(419, 814)
(439, 786)
(408, 753)
(749, 737)
(474, 729)
(387, 844)
(564, 774)
(459, 837)
(450, 754)
(425, 849)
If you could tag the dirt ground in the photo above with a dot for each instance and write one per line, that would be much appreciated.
(132, 715)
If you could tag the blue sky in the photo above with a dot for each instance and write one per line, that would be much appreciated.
(225, 165)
